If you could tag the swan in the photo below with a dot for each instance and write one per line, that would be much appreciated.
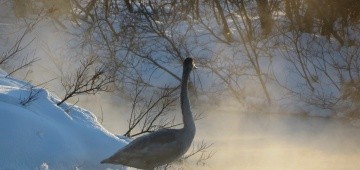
(165, 145)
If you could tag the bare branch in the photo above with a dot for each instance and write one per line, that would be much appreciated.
(31, 97)
(88, 79)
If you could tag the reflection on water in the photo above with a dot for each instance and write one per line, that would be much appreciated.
(260, 141)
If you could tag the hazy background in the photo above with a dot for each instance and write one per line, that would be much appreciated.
(310, 124)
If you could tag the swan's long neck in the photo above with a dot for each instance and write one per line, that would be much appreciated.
(185, 104)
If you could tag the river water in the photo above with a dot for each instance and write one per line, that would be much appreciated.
(278, 141)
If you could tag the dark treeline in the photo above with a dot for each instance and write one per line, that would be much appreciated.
(326, 17)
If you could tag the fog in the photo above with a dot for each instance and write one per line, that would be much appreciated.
(248, 140)
(277, 141)
(241, 138)
(245, 139)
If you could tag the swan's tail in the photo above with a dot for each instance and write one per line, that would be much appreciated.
(105, 161)
(109, 160)
(114, 159)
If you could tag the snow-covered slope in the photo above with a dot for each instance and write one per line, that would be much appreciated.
(40, 135)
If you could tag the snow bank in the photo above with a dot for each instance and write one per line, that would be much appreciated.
(41, 135)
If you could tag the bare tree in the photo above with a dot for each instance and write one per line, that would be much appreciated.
(247, 51)
(31, 97)
(325, 71)
(89, 78)
(150, 115)
(9, 58)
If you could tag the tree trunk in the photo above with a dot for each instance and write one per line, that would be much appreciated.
(226, 29)
(265, 16)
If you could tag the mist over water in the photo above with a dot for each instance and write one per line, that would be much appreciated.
(278, 141)
(263, 141)
(244, 140)
(241, 140)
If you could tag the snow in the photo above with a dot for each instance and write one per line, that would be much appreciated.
(41, 135)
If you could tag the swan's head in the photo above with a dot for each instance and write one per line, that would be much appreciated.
(189, 64)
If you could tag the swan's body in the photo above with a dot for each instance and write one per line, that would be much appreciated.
(165, 145)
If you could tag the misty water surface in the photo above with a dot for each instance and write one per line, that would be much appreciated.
(278, 141)
(243, 140)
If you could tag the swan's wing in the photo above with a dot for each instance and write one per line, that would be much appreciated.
(159, 143)
(149, 151)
